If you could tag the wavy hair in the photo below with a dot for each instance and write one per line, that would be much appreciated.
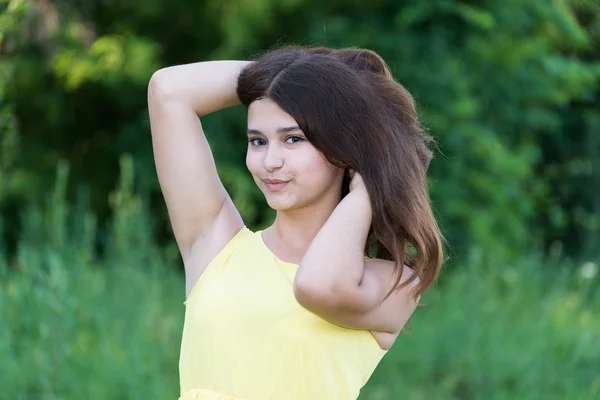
(351, 109)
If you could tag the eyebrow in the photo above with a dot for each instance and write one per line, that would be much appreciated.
(280, 130)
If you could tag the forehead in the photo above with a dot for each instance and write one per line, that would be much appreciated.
(265, 114)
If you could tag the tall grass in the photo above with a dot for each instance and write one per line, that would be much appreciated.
(490, 331)
(73, 327)
(76, 327)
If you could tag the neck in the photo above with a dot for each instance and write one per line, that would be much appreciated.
(293, 231)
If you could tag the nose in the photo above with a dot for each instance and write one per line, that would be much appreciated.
(273, 159)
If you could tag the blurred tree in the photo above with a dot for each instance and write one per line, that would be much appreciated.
(571, 162)
(509, 89)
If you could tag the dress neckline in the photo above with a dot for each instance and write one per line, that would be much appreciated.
(279, 260)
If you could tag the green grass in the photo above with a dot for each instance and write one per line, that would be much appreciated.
(490, 331)
(74, 327)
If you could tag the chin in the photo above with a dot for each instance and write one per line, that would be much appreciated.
(283, 203)
(279, 205)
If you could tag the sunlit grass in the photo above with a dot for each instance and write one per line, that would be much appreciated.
(526, 331)
(75, 327)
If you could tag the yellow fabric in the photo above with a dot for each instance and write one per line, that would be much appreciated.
(245, 336)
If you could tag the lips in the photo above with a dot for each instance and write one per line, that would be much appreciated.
(275, 184)
(274, 181)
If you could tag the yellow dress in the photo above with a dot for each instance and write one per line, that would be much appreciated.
(245, 337)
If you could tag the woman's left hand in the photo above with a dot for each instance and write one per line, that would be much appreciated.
(356, 180)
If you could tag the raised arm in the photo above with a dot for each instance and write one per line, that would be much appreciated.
(201, 212)
(336, 282)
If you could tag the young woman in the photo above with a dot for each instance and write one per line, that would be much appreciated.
(306, 308)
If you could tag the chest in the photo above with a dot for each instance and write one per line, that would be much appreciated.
(258, 300)
(245, 294)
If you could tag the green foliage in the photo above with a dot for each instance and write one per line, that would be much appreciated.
(76, 326)
(13, 180)
(509, 90)
(90, 280)
(523, 331)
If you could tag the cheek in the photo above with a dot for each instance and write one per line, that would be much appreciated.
(317, 171)
(252, 163)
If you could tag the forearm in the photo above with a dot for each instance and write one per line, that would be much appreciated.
(334, 262)
(204, 86)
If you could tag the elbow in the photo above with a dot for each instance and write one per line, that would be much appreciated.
(160, 85)
(315, 296)
(306, 293)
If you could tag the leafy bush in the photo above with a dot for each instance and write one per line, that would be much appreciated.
(508, 88)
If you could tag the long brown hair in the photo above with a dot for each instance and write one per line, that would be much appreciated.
(352, 110)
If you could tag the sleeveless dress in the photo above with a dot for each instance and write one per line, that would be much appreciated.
(245, 337)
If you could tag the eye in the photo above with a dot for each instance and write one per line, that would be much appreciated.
(256, 142)
(293, 139)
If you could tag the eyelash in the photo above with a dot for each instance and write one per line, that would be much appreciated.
(299, 139)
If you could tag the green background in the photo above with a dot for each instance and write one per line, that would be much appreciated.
(91, 284)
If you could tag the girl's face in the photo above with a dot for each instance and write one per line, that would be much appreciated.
(288, 169)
